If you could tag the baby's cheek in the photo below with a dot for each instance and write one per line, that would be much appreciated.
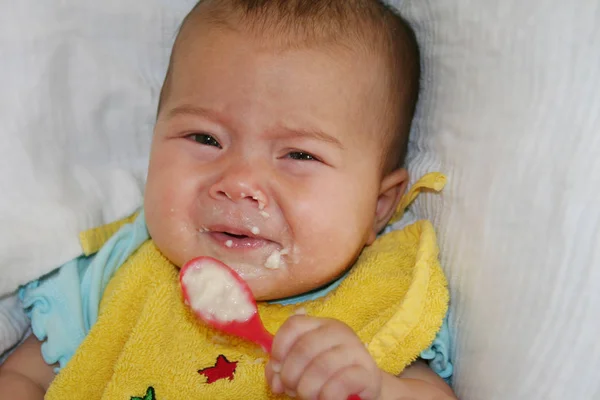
(323, 261)
(158, 205)
(171, 235)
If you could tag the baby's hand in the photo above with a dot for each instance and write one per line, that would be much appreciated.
(318, 358)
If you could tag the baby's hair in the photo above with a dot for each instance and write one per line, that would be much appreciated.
(368, 26)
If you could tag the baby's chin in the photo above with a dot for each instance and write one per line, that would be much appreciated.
(281, 287)
(267, 292)
(268, 284)
(263, 288)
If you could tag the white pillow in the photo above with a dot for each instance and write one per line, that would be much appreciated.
(80, 81)
(510, 110)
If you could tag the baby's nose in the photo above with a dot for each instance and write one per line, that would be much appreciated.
(239, 187)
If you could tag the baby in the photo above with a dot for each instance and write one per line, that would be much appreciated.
(281, 131)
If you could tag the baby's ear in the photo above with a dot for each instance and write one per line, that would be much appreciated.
(392, 189)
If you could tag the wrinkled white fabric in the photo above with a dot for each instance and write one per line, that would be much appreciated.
(80, 81)
(510, 112)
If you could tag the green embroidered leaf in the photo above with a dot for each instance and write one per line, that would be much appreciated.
(149, 395)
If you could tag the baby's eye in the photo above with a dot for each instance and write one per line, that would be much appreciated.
(205, 139)
(302, 156)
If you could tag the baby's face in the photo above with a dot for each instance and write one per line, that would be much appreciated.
(266, 159)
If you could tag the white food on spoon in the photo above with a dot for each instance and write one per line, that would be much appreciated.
(212, 291)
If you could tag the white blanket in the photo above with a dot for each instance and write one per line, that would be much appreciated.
(79, 83)
(511, 115)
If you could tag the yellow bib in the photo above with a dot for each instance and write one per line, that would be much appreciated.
(147, 344)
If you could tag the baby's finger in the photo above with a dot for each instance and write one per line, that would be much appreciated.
(349, 381)
(294, 328)
(273, 379)
(323, 367)
(269, 375)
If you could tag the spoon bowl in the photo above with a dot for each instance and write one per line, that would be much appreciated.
(249, 326)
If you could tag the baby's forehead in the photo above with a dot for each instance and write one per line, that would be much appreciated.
(363, 70)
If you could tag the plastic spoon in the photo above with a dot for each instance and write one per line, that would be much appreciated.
(223, 300)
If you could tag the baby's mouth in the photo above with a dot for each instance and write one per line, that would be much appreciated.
(238, 241)
(234, 236)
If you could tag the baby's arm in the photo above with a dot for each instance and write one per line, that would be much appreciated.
(416, 382)
(25, 375)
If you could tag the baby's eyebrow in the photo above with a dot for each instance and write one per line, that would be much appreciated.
(191, 110)
(313, 134)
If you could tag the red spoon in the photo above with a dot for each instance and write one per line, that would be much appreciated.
(223, 300)
(249, 326)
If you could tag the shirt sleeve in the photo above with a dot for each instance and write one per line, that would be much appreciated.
(54, 305)
(63, 305)
(438, 354)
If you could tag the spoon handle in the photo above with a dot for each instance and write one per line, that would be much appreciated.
(259, 335)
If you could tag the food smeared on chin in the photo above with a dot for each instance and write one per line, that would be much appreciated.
(275, 260)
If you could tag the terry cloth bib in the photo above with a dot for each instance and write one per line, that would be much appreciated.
(148, 345)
